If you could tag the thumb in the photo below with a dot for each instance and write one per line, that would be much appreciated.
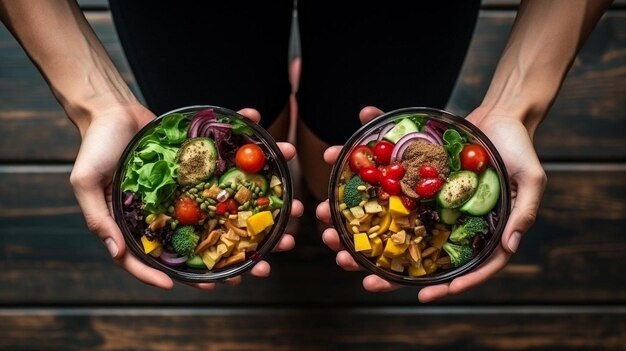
(92, 201)
(530, 185)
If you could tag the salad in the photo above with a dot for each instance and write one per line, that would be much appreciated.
(201, 191)
(418, 196)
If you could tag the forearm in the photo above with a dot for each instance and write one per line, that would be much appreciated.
(542, 45)
(62, 45)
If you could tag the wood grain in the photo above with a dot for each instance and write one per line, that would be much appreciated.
(573, 254)
(403, 328)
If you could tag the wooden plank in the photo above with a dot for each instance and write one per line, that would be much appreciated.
(589, 110)
(29, 114)
(573, 254)
(587, 120)
(312, 329)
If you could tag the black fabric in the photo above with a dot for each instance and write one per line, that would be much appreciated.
(388, 54)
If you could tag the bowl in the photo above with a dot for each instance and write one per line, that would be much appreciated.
(409, 212)
(202, 194)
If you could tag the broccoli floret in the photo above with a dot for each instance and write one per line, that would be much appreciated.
(351, 195)
(459, 254)
(472, 226)
(275, 202)
(185, 240)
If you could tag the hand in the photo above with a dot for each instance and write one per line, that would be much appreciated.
(103, 141)
(528, 181)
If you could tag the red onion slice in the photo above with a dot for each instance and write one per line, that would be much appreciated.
(369, 138)
(406, 140)
(171, 259)
(432, 131)
(384, 130)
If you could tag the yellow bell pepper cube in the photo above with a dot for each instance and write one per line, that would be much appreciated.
(149, 245)
(362, 242)
(257, 223)
(384, 262)
(416, 271)
(377, 247)
(392, 250)
(396, 207)
(385, 222)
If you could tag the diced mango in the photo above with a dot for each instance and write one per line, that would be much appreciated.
(383, 261)
(392, 250)
(257, 223)
(361, 242)
(440, 239)
(385, 222)
(156, 252)
(149, 245)
(394, 227)
(396, 207)
(377, 247)
(340, 192)
(416, 271)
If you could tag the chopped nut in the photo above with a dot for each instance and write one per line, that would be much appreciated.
(418, 222)
(355, 229)
(243, 195)
(238, 258)
(211, 240)
(418, 239)
(231, 235)
(159, 222)
(373, 229)
(361, 188)
(399, 238)
(414, 252)
(445, 260)
(235, 229)
(429, 251)
(420, 230)
(373, 235)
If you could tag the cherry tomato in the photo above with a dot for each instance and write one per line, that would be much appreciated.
(370, 174)
(391, 186)
(474, 158)
(394, 171)
(409, 203)
(187, 211)
(427, 188)
(427, 170)
(382, 151)
(263, 202)
(250, 158)
(360, 157)
(221, 208)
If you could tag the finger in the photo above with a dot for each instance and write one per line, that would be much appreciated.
(233, 281)
(530, 185)
(330, 154)
(496, 262)
(286, 243)
(297, 208)
(204, 286)
(261, 270)
(432, 293)
(345, 261)
(145, 273)
(375, 283)
(251, 114)
(322, 212)
(368, 113)
(288, 150)
(92, 201)
(331, 239)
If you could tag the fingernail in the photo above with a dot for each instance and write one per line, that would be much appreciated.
(111, 246)
(514, 240)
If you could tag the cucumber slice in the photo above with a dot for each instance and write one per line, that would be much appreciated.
(459, 187)
(449, 215)
(195, 262)
(197, 159)
(486, 196)
(237, 176)
(402, 128)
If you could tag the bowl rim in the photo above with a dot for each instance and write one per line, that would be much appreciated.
(447, 275)
(269, 242)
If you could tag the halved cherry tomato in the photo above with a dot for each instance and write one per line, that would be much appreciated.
(229, 206)
(474, 158)
(427, 188)
(408, 202)
(391, 186)
(382, 152)
(187, 211)
(427, 170)
(263, 201)
(394, 171)
(360, 157)
(370, 174)
(250, 158)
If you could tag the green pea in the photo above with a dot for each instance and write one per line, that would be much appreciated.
(203, 206)
(193, 191)
(200, 186)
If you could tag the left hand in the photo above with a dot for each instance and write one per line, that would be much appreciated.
(528, 181)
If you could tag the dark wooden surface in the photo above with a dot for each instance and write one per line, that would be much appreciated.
(564, 290)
